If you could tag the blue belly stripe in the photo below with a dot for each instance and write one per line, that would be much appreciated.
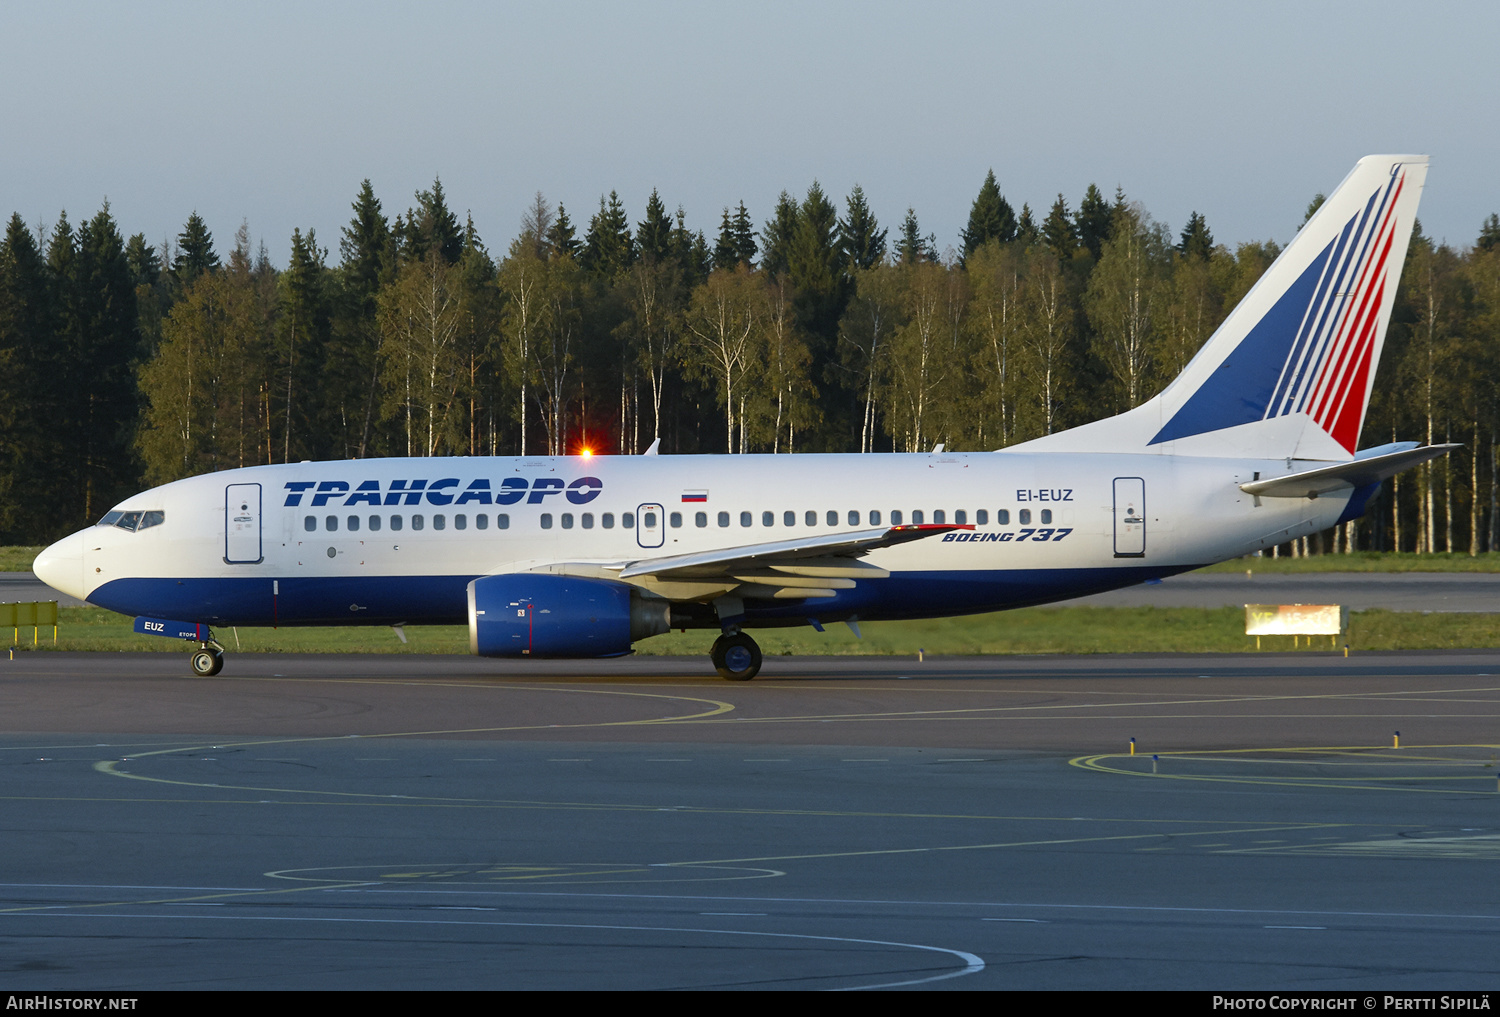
(443, 600)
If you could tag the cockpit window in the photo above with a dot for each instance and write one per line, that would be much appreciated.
(133, 521)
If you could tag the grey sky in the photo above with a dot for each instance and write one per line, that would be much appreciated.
(274, 113)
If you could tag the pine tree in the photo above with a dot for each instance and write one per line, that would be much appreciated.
(433, 226)
(744, 236)
(726, 254)
(912, 247)
(28, 447)
(1312, 206)
(195, 251)
(1093, 222)
(1027, 230)
(1197, 242)
(101, 379)
(815, 267)
(689, 252)
(607, 247)
(990, 218)
(363, 247)
(860, 238)
(653, 237)
(1489, 234)
(301, 338)
(776, 238)
(1058, 231)
(562, 238)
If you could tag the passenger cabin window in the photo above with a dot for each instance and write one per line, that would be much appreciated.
(481, 522)
(746, 519)
(567, 520)
(417, 522)
(700, 519)
(546, 520)
(1002, 516)
(833, 517)
(649, 520)
(1046, 517)
(917, 518)
(789, 518)
(331, 523)
(374, 524)
(1025, 517)
(982, 517)
(723, 518)
(768, 519)
(961, 517)
(853, 518)
(895, 516)
(608, 520)
(460, 522)
(310, 523)
(676, 520)
(502, 521)
(439, 521)
(395, 522)
(627, 520)
(811, 518)
(352, 523)
(588, 520)
(939, 516)
(874, 517)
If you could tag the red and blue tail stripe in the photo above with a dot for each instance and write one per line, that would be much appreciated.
(1313, 351)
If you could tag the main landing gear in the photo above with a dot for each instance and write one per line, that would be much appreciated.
(736, 657)
(208, 659)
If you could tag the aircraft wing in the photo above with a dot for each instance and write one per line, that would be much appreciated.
(786, 569)
(1357, 473)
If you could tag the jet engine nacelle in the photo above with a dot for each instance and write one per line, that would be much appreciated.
(530, 614)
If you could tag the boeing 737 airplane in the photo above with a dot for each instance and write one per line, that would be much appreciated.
(1253, 445)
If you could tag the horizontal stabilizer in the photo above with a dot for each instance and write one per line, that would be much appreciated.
(1343, 476)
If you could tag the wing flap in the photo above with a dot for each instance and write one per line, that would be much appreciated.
(778, 554)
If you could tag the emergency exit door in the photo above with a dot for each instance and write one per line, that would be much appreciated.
(1130, 517)
(242, 524)
(649, 529)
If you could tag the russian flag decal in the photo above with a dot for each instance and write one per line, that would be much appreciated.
(688, 496)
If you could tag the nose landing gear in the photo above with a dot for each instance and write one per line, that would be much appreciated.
(207, 660)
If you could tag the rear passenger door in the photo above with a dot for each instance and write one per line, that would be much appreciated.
(1130, 517)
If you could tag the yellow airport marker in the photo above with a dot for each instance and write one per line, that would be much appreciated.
(1132, 746)
(1396, 740)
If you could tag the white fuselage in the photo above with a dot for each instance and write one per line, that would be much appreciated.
(319, 543)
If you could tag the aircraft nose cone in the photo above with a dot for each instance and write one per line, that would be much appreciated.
(60, 566)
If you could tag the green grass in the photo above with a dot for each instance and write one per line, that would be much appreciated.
(1032, 630)
(18, 559)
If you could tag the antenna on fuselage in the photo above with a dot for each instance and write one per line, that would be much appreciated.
(656, 444)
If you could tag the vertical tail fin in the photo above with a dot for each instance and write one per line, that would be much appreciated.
(1289, 372)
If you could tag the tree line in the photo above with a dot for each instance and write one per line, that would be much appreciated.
(130, 365)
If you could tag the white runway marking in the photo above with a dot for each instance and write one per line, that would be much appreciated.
(972, 963)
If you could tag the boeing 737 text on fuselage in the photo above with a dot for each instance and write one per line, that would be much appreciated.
(1253, 445)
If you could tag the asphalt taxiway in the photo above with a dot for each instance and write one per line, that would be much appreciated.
(387, 822)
